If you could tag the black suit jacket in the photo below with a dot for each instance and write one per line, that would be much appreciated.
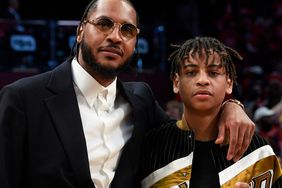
(42, 142)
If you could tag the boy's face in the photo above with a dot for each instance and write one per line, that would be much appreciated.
(202, 83)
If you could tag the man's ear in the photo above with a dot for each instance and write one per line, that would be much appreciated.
(176, 84)
(79, 33)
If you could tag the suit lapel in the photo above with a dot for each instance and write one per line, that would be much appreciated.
(64, 111)
(129, 95)
(126, 169)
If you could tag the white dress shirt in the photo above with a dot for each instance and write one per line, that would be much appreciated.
(106, 123)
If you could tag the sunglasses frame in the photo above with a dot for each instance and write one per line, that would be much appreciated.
(114, 24)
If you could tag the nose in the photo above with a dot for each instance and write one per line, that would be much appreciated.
(115, 34)
(203, 79)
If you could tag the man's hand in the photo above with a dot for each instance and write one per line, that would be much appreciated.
(242, 185)
(236, 128)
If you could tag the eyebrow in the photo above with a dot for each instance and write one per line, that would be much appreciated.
(102, 17)
(211, 65)
(215, 65)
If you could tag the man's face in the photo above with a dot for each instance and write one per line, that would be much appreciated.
(106, 53)
(202, 83)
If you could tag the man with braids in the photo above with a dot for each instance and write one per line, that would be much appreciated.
(78, 125)
(183, 153)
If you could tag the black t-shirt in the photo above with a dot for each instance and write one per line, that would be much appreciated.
(204, 174)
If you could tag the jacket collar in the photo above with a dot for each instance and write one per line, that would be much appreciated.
(63, 108)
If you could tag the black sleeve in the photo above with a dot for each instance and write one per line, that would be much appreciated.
(12, 138)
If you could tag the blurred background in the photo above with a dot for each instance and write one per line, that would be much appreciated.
(36, 36)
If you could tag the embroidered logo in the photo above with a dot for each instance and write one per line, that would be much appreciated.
(263, 180)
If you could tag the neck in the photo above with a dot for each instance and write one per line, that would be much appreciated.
(99, 77)
(203, 124)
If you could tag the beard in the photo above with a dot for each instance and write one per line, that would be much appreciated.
(97, 67)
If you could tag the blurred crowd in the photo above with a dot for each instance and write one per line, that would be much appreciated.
(256, 31)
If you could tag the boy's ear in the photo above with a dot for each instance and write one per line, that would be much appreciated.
(176, 84)
(229, 86)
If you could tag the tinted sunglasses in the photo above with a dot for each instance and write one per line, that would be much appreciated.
(106, 25)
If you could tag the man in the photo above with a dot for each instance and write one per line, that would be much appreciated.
(80, 126)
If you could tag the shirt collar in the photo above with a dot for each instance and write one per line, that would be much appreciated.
(89, 87)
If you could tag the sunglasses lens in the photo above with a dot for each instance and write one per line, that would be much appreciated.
(128, 31)
(104, 24)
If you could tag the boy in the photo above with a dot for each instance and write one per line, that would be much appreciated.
(184, 153)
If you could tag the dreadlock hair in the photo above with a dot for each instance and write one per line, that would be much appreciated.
(208, 44)
(89, 8)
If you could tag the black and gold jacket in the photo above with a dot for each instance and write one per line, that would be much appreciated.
(168, 155)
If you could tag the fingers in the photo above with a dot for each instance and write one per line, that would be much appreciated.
(242, 185)
(235, 125)
(238, 127)
(241, 149)
(228, 133)
(243, 142)
(221, 134)
(233, 140)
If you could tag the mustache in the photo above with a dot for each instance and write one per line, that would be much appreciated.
(90, 59)
(112, 48)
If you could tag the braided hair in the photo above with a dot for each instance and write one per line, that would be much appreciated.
(89, 9)
(208, 44)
